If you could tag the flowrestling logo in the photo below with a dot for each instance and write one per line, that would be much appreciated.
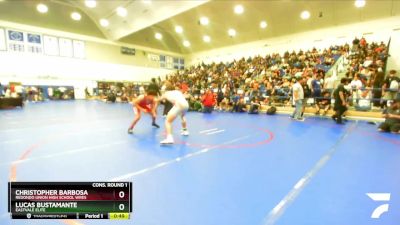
(379, 197)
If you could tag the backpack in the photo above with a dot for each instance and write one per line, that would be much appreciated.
(271, 110)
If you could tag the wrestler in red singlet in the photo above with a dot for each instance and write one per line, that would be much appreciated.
(147, 104)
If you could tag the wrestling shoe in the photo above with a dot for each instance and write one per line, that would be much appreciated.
(184, 132)
(155, 125)
(130, 131)
(167, 141)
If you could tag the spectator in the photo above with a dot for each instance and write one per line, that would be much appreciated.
(225, 105)
(271, 75)
(356, 43)
(390, 87)
(364, 100)
(87, 94)
(208, 101)
(184, 87)
(306, 92)
(298, 96)
(254, 106)
(153, 87)
(392, 118)
(356, 85)
(329, 84)
(323, 103)
(377, 83)
(363, 42)
(220, 97)
(111, 97)
(141, 90)
(239, 106)
(197, 105)
(340, 95)
(316, 86)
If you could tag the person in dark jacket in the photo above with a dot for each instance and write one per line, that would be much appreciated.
(340, 95)
(392, 118)
(254, 106)
(153, 87)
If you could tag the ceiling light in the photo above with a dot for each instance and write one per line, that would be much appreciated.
(76, 16)
(178, 29)
(206, 38)
(204, 20)
(232, 32)
(263, 24)
(121, 11)
(42, 8)
(158, 36)
(239, 9)
(91, 3)
(359, 3)
(104, 23)
(147, 1)
(186, 43)
(305, 15)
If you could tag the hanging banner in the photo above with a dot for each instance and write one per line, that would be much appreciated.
(3, 43)
(50, 45)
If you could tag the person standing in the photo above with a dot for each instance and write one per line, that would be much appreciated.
(329, 84)
(298, 96)
(323, 103)
(316, 87)
(180, 106)
(306, 93)
(340, 96)
(153, 87)
(390, 88)
(377, 83)
(255, 106)
(355, 85)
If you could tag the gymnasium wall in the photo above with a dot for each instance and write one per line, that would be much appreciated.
(376, 30)
(103, 61)
(394, 51)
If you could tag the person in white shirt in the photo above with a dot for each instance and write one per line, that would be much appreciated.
(309, 81)
(356, 85)
(141, 90)
(298, 96)
(364, 99)
(50, 92)
(180, 106)
(368, 61)
(19, 90)
(330, 83)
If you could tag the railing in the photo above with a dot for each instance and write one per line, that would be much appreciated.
(354, 99)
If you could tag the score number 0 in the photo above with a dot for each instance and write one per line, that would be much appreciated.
(121, 194)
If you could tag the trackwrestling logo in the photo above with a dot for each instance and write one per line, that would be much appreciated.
(379, 197)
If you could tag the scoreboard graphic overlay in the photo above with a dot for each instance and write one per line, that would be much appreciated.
(70, 200)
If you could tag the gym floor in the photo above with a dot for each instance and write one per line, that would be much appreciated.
(235, 169)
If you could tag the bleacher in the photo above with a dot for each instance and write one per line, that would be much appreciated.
(277, 68)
